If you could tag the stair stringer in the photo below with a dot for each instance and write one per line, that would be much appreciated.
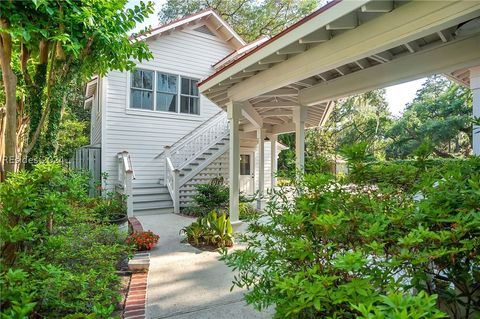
(218, 166)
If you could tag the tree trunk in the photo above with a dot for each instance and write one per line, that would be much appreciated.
(10, 87)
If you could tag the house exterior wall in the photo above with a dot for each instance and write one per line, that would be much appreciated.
(96, 117)
(268, 168)
(144, 133)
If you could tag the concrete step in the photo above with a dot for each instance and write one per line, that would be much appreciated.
(153, 211)
(143, 198)
(150, 190)
(152, 205)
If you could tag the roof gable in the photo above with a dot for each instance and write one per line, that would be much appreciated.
(213, 24)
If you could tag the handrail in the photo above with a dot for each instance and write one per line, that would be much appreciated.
(172, 179)
(126, 175)
(187, 151)
(199, 129)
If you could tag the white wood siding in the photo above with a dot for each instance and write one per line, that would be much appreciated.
(145, 133)
(96, 117)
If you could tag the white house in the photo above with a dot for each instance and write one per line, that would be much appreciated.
(269, 87)
(157, 135)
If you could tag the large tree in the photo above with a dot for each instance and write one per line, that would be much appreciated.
(250, 19)
(440, 115)
(363, 118)
(44, 46)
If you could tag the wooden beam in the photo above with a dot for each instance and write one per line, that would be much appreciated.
(406, 23)
(378, 6)
(321, 35)
(256, 67)
(292, 48)
(283, 128)
(444, 59)
(273, 59)
(412, 46)
(445, 36)
(276, 112)
(382, 57)
(347, 22)
(362, 64)
(343, 70)
(242, 75)
(281, 92)
(251, 115)
(274, 121)
(274, 105)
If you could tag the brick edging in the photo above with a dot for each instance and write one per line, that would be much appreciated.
(136, 301)
(135, 225)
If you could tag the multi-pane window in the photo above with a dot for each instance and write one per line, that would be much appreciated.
(172, 93)
(141, 95)
(166, 92)
(189, 98)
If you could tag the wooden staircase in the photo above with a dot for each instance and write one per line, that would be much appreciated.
(195, 159)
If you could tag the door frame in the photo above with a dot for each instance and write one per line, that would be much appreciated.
(251, 152)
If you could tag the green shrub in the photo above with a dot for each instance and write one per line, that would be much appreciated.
(57, 257)
(247, 211)
(350, 251)
(111, 207)
(210, 230)
(208, 197)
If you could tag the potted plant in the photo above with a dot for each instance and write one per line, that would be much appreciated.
(112, 208)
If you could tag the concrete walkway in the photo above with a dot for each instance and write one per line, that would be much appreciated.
(186, 283)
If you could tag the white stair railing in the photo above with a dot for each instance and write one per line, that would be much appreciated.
(126, 176)
(189, 148)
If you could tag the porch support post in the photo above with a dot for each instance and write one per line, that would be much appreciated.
(273, 160)
(475, 87)
(233, 112)
(299, 116)
(261, 168)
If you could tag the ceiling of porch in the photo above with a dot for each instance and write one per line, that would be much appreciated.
(275, 106)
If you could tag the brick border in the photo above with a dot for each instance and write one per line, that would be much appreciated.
(136, 301)
(135, 225)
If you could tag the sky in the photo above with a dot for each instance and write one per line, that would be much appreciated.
(397, 96)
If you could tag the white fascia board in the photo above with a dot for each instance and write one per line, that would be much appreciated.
(331, 14)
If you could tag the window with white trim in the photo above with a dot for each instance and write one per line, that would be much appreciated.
(141, 94)
(166, 92)
(158, 91)
(189, 97)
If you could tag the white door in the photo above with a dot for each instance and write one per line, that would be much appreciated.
(247, 173)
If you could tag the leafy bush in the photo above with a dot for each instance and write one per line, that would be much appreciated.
(144, 240)
(345, 251)
(208, 197)
(57, 257)
(211, 230)
(247, 211)
(111, 207)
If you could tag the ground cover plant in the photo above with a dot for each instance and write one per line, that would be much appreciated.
(57, 257)
(213, 230)
(369, 249)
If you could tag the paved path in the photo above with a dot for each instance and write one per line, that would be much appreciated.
(186, 283)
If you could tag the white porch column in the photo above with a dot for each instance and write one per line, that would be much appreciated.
(273, 160)
(299, 116)
(475, 87)
(261, 167)
(233, 112)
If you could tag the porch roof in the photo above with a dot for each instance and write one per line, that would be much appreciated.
(345, 48)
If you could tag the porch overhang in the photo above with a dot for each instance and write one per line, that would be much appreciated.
(345, 48)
